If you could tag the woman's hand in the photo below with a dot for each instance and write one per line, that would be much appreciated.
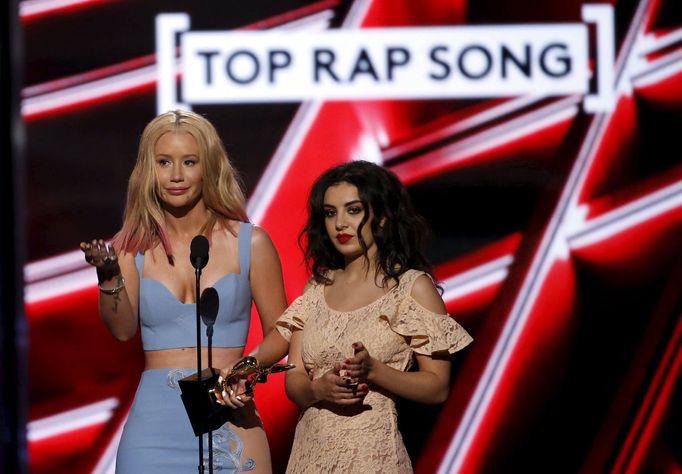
(331, 387)
(233, 393)
(360, 366)
(103, 257)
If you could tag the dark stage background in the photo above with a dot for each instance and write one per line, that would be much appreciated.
(556, 231)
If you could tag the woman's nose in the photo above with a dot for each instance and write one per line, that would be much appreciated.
(176, 174)
(340, 222)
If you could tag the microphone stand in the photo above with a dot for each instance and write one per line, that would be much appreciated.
(209, 335)
(199, 257)
(197, 272)
(210, 303)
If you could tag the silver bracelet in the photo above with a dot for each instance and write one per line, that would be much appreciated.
(113, 291)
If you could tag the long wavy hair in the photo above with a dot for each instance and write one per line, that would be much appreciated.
(398, 230)
(143, 221)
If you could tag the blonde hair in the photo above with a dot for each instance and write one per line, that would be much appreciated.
(144, 222)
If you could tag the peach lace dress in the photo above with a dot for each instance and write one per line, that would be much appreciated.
(362, 439)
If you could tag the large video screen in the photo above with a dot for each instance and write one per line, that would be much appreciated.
(537, 138)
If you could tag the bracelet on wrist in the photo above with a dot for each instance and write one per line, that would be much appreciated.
(116, 290)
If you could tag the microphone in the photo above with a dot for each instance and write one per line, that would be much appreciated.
(209, 309)
(198, 252)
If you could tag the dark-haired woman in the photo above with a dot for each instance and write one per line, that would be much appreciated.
(370, 309)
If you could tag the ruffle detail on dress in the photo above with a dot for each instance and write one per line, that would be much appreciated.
(427, 332)
(292, 319)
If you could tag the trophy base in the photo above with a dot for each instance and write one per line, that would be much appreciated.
(205, 413)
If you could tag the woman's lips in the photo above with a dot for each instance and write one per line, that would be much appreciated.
(176, 191)
(343, 238)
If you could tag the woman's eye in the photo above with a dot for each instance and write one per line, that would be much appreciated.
(354, 210)
(163, 162)
(190, 162)
(329, 213)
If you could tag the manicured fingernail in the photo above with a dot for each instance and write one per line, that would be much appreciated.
(220, 379)
(238, 398)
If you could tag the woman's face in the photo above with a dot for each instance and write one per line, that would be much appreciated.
(343, 213)
(178, 169)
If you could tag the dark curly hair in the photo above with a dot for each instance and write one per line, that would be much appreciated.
(398, 241)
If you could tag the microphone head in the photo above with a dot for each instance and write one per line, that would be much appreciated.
(209, 306)
(198, 252)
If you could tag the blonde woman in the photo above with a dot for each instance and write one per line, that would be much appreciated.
(183, 185)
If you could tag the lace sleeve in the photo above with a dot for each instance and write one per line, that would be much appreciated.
(293, 318)
(427, 332)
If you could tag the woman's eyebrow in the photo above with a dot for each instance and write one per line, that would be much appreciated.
(349, 203)
(168, 155)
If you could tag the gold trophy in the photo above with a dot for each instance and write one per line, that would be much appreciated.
(199, 392)
(249, 369)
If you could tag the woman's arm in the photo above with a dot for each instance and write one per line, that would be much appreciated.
(330, 387)
(119, 286)
(267, 288)
(430, 384)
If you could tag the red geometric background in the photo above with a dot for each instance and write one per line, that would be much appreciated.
(556, 233)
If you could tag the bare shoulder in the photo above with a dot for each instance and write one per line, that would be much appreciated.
(263, 251)
(426, 294)
(265, 274)
(260, 240)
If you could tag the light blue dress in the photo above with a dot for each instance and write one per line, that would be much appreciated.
(158, 437)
